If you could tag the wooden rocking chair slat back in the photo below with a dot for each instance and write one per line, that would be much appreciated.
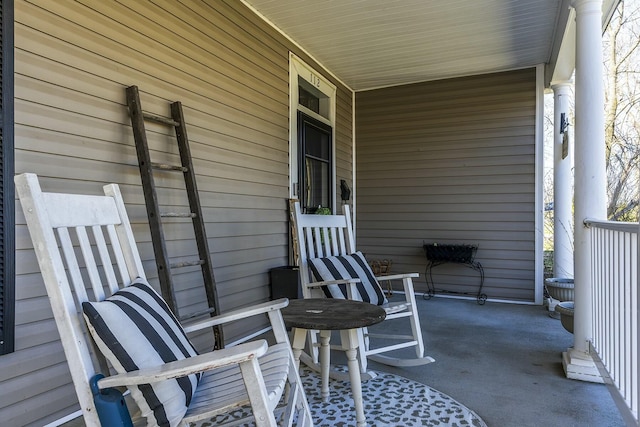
(324, 235)
(66, 256)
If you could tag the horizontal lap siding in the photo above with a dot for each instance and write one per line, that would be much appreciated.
(344, 141)
(451, 162)
(230, 70)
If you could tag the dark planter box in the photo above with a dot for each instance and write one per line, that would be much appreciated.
(450, 253)
(285, 282)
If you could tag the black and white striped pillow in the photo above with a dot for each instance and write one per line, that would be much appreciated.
(352, 266)
(135, 329)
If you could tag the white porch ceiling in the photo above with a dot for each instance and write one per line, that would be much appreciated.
(376, 43)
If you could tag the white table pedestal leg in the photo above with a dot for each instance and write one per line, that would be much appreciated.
(299, 338)
(349, 340)
(325, 363)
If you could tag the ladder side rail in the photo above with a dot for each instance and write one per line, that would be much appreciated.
(151, 199)
(198, 218)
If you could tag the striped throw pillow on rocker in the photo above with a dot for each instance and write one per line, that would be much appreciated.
(135, 329)
(353, 266)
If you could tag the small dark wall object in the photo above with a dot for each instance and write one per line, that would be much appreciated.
(285, 282)
(564, 130)
(110, 405)
(345, 191)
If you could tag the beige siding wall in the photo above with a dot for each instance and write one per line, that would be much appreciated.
(230, 70)
(451, 162)
(344, 142)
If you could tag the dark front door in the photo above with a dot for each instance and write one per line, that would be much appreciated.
(315, 164)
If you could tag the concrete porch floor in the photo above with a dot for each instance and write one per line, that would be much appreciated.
(504, 362)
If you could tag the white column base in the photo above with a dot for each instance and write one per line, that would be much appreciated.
(580, 366)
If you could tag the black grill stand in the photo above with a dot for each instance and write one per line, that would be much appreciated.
(438, 254)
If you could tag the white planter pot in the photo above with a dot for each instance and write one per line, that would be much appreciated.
(560, 288)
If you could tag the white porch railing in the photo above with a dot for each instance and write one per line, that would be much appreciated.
(614, 272)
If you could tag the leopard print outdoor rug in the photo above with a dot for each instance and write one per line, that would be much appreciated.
(389, 401)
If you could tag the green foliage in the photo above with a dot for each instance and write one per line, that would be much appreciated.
(323, 211)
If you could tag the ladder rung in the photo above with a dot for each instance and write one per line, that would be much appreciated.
(187, 263)
(159, 119)
(169, 167)
(198, 314)
(177, 215)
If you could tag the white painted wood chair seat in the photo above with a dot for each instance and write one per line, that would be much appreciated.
(235, 393)
(321, 236)
(87, 253)
(395, 307)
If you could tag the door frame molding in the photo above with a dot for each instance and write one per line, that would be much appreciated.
(298, 69)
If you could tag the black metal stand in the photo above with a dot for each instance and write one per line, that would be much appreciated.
(458, 254)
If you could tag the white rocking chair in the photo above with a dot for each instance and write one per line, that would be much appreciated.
(331, 267)
(172, 384)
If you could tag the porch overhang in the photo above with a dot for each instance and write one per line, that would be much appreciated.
(414, 41)
(562, 63)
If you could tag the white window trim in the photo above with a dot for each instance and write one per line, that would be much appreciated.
(299, 69)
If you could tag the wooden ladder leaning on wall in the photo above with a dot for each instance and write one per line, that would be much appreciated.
(147, 167)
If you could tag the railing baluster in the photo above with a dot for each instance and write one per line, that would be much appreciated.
(613, 318)
(634, 374)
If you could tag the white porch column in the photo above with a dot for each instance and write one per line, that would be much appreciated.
(562, 185)
(590, 178)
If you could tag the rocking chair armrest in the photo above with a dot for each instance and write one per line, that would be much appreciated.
(332, 282)
(398, 276)
(352, 289)
(238, 314)
(180, 368)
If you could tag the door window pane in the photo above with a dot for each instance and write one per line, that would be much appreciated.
(315, 166)
(317, 143)
(317, 190)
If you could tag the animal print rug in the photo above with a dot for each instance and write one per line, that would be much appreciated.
(389, 400)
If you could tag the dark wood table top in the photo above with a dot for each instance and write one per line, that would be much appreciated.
(331, 314)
